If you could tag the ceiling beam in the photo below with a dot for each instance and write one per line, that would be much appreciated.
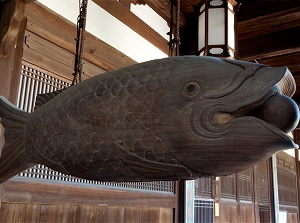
(163, 8)
(270, 44)
(269, 23)
(122, 13)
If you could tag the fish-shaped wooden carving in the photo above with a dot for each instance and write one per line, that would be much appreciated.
(173, 118)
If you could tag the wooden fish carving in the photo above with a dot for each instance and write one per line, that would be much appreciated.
(173, 118)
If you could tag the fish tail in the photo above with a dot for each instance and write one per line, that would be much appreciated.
(14, 121)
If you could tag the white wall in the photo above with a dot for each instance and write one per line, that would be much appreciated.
(109, 29)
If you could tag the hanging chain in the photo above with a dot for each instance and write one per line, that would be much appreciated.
(81, 23)
(174, 42)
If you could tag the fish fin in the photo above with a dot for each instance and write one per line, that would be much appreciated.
(152, 170)
(13, 120)
(42, 99)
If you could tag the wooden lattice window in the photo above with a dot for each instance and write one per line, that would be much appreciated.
(245, 183)
(204, 210)
(203, 188)
(228, 187)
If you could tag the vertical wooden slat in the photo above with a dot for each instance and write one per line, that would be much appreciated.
(132, 215)
(274, 201)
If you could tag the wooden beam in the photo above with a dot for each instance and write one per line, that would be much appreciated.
(163, 8)
(22, 190)
(270, 44)
(29, 1)
(61, 32)
(273, 55)
(122, 13)
(269, 23)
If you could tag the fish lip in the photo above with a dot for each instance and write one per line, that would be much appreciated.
(278, 132)
(222, 117)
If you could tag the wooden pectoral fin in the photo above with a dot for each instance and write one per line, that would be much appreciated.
(149, 169)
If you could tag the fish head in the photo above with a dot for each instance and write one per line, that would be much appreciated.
(223, 116)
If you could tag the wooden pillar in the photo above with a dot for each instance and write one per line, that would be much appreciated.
(13, 22)
(297, 181)
(274, 199)
(180, 189)
(255, 194)
(12, 29)
(296, 134)
(216, 195)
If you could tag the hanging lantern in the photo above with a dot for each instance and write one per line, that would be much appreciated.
(216, 28)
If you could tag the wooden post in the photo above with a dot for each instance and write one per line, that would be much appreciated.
(180, 201)
(297, 180)
(11, 47)
(274, 199)
(255, 194)
(216, 195)
(12, 26)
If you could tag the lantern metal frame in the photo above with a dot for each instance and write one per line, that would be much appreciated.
(213, 27)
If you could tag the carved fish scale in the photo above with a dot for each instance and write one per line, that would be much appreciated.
(174, 118)
(118, 109)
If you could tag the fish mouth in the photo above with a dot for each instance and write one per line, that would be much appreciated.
(275, 110)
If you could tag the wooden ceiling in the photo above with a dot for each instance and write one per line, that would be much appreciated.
(268, 32)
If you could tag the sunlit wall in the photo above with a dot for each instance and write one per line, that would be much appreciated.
(109, 29)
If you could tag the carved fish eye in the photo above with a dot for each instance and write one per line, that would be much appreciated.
(191, 89)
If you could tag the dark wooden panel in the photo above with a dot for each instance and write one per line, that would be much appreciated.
(253, 9)
(269, 23)
(43, 192)
(247, 213)
(229, 212)
(268, 44)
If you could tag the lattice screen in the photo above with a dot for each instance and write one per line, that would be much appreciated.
(204, 210)
(35, 82)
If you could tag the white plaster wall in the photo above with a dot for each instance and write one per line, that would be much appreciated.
(109, 29)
